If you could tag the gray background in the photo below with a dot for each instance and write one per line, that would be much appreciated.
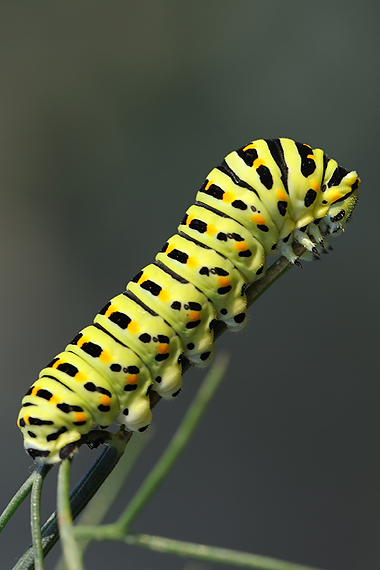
(111, 115)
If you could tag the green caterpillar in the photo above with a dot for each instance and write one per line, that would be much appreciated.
(258, 201)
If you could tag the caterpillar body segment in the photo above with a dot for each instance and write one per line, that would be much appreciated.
(261, 199)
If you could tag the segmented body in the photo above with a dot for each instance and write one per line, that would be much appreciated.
(258, 201)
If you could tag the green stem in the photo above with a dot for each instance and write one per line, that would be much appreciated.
(35, 515)
(19, 497)
(211, 553)
(71, 552)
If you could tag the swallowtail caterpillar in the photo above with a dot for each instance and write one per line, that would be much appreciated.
(257, 202)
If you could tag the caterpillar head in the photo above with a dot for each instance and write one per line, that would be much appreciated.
(340, 212)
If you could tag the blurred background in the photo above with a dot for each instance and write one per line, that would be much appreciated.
(111, 115)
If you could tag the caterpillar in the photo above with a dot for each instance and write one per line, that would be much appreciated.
(261, 199)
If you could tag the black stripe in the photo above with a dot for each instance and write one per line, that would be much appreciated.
(223, 167)
(277, 153)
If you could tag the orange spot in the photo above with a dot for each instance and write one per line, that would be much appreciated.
(334, 197)
(133, 327)
(164, 295)
(192, 262)
(212, 229)
(82, 341)
(228, 197)
(58, 362)
(194, 315)
(170, 248)
(80, 377)
(314, 184)
(281, 195)
(241, 246)
(55, 399)
(209, 183)
(18, 422)
(80, 417)
(133, 379)
(111, 309)
(105, 356)
(258, 219)
(311, 156)
(35, 390)
(249, 146)
(163, 348)
(189, 219)
(105, 400)
(258, 162)
(26, 419)
(224, 281)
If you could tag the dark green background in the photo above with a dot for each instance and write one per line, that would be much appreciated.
(111, 115)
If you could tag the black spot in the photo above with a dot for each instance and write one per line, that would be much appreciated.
(198, 225)
(176, 306)
(184, 219)
(176, 393)
(204, 271)
(132, 370)
(92, 349)
(220, 271)
(45, 394)
(213, 190)
(205, 356)
(35, 453)
(161, 357)
(240, 318)
(263, 228)
(120, 319)
(103, 408)
(265, 176)
(143, 428)
(310, 197)
(158, 379)
(145, 338)
(239, 205)
(152, 287)
(260, 270)
(66, 408)
(193, 324)
(212, 324)
(39, 422)
(115, 367)
(190, 346)
(224, 290)
(130, 387)
(163, 338)
(125, 412)
(237, 237)
(245, 253)
(179, 256)
(282, 207)
(54, 436)
(224, 311)
(221, 236)
(22, 422)
(248, 156)
(31, 434)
